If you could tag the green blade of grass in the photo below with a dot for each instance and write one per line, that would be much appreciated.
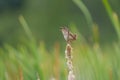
(113, 17)
(85, 11)
(25, 27)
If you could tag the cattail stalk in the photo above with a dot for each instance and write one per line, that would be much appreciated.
(68, 57)
(69, 37)
(20, 73)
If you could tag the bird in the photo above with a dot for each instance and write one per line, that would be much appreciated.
(68, 36)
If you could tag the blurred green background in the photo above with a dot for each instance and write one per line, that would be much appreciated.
(32, 45)
(44, 17)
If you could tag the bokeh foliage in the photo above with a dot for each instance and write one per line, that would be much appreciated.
(32, 59)
(45, 17)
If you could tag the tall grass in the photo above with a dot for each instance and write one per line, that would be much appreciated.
(33, 61)
(113, 17)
